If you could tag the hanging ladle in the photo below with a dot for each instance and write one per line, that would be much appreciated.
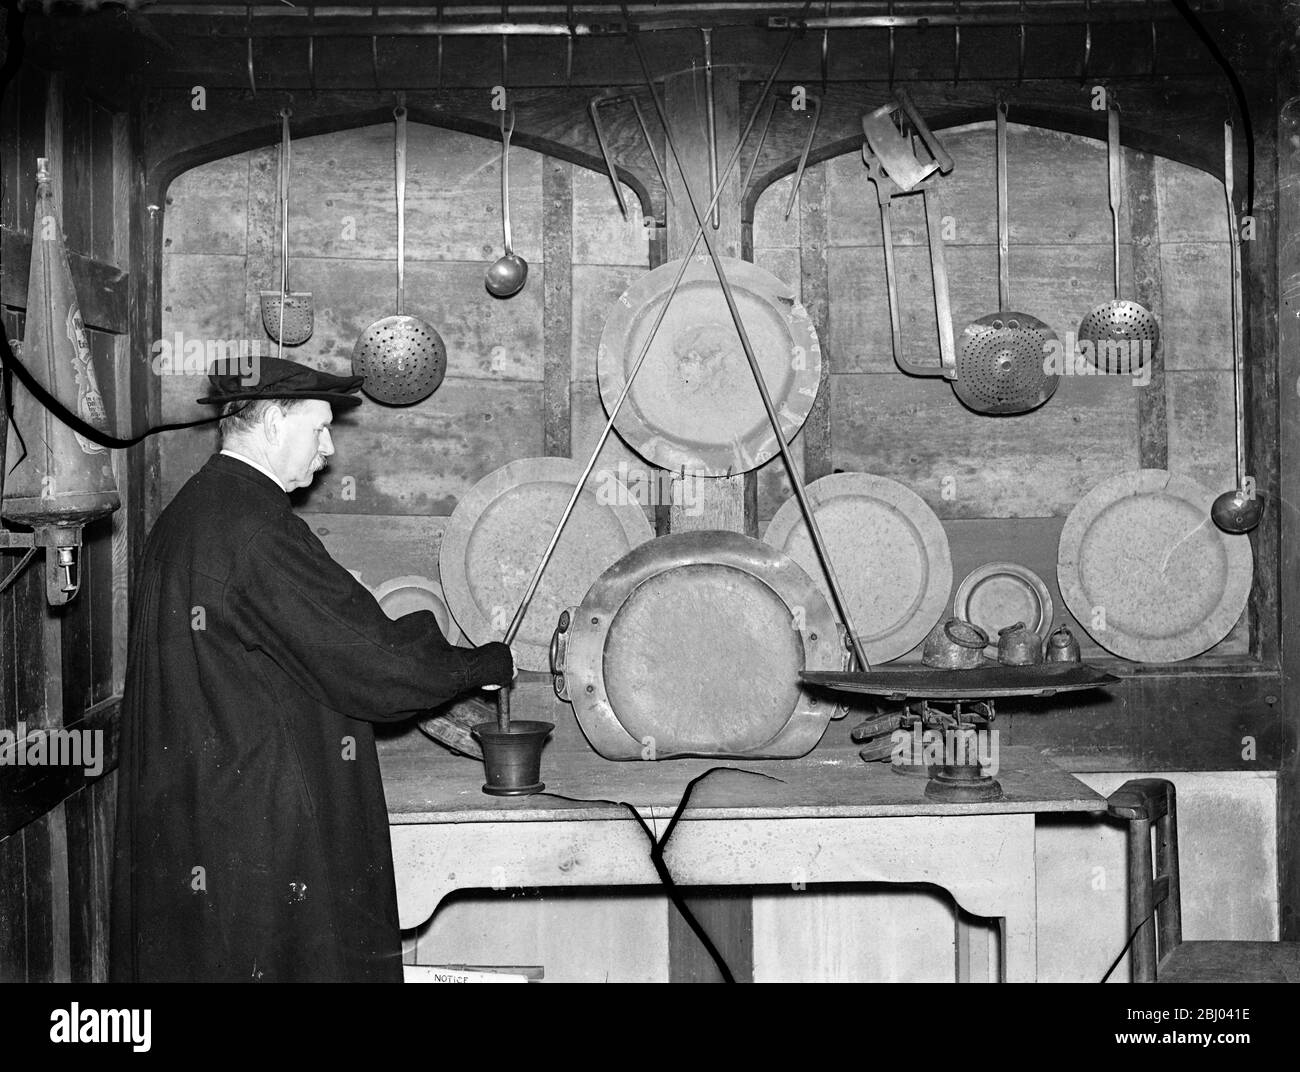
(1237, 511)
(508, 274)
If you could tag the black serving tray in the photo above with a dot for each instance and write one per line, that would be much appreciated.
(981, 683)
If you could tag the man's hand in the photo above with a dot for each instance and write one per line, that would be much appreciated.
(497, 688)
(514, 669)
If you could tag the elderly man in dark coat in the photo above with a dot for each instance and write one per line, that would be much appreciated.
(252, 832)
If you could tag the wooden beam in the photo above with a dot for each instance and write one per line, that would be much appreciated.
(1148, 290)
(1287, 333)
(814, 241)
(194, 54)
(101, 287)
(29, 792)
(557, 305)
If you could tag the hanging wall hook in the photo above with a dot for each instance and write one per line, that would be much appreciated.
(593, 109)
(1087, 41)
(505, 48)
(711, 123)
(762, 137)
(311, 52)
(956, 42)
(568, 55)
(248, 23)
(374, 51)
(1020, 69)
(1154, 44)
(826, 51)
(890, 13)
(803, 157)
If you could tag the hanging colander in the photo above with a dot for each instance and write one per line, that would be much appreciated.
(1002, 360)
(402, 358)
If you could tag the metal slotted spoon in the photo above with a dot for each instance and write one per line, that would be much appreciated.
(1123, 333)
(1001, 365)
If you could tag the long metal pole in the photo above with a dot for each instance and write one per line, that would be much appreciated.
(503, 696)
(795, 480)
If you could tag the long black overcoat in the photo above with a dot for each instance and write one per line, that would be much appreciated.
(252, 834)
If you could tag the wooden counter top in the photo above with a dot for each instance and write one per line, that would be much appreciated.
(425, 783)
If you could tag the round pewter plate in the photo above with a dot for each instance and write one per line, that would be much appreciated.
(692, 645)
(694, 404)
(1145, 571)
(498, 532)
(889, 551)
(998, 594)
(405, 595)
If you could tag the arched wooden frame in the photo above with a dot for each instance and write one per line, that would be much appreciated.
(1262, 385)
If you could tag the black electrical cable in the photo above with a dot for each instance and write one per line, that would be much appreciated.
(72, 420)
(657, 847)
(1115, 962)
(1238, 90)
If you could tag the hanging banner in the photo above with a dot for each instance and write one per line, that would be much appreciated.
(56, 475)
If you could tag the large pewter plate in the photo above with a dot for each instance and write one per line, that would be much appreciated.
(1145, 571)
(496, 537)
(889, 551)
(694, 405)
(399, 596)
(692, 645)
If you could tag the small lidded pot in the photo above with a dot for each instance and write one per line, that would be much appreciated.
(955, 645)
(1018, 645)
(1062, 647)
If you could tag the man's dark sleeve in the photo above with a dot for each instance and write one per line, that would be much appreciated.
(321, 626)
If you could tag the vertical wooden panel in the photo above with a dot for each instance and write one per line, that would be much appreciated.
(1148, 289)
(103, 203)
(13, 910)
(52, 149)
(90, 849)
(123, 411)
(31, 141)
(76, 173)
(43, 840)
(557, 304)
(9, 164)
(1287, 254)
(815, 292)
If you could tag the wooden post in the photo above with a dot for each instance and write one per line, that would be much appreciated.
(1288, 440)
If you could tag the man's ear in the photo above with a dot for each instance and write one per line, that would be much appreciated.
(273, 423)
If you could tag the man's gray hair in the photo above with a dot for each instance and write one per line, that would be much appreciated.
(240, 418)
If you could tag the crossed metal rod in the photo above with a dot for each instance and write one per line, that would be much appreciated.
(503, 698)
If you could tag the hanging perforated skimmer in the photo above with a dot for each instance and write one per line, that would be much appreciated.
(1002, 360)
(402, 358)
(1123, 334)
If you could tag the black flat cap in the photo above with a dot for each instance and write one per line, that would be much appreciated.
(275, 377)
